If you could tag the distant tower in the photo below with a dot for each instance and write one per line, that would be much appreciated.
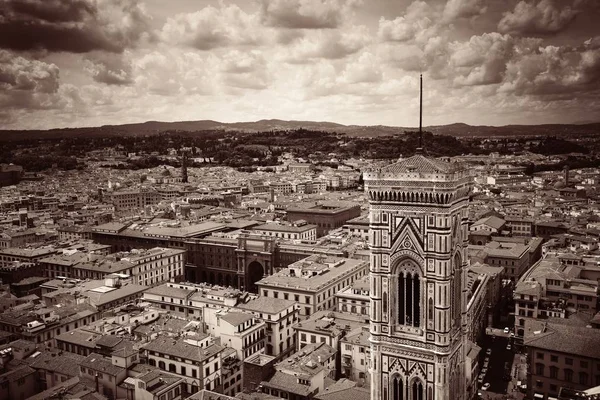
(184, 165)
(418, 226)
(566, 172)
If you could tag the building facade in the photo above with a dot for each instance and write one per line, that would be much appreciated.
(418, 240)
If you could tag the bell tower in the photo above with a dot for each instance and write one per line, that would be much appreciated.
(418, 240)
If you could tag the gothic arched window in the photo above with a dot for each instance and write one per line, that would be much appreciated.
(397, 388)
(417, 390)
(408, 294)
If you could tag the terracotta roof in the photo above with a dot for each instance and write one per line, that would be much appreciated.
(568, 339)
(344, 389)
(236, 318)
(420, 163)
(98, 363)
(268, 305)
(179, 348)
(287, 383)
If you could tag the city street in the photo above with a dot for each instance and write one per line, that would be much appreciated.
(505, 369)
(499, 359)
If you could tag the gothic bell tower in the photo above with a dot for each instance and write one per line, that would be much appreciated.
(418, 241)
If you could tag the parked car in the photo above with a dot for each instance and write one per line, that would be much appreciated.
(488, 351)
(508, 347)
(485, 386)
(506, 330)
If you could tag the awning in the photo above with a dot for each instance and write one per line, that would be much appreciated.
(552, 398)
(538, 396)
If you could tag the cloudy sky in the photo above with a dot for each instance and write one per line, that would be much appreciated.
(67, 63)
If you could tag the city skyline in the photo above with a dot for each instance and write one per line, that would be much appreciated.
(69, 64)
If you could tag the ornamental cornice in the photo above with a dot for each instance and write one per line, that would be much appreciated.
(412, 343)
(410, 354)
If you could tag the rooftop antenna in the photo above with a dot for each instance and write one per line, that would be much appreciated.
(420, 148)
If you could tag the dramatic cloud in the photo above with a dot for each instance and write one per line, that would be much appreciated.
(416, 24)
(552, 70)
(247, 70)
(77, 26)
(213, 28)
(111, 69)
(305, 14)
(545, 17)
(26, 83)
(328, 44)
(482, 60)
(455, 9)
(89, 62)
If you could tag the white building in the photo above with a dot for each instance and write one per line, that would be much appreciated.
(240, 331)
(279, 315)
(195, 357)
(313, 282)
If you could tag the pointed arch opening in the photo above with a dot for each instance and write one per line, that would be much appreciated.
(408, 293)
(417, 390)
(397, 388)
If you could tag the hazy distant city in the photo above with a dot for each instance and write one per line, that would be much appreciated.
(299, 200)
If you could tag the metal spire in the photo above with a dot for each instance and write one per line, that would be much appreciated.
(420, 148)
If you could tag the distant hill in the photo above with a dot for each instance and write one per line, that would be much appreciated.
(153, 127)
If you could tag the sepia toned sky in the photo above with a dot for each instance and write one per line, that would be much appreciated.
(69, 63)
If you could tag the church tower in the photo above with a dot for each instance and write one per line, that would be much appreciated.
(418, 240)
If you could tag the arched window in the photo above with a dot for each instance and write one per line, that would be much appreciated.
(152, 362)
(408, 295)
(397, 388)
(417, 390)
(161, 365)
(172, 368)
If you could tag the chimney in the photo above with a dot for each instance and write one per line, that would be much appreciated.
(97, 384)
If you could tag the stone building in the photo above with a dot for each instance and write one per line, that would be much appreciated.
(418, 239)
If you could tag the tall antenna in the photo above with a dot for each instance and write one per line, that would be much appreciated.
(420, 149)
